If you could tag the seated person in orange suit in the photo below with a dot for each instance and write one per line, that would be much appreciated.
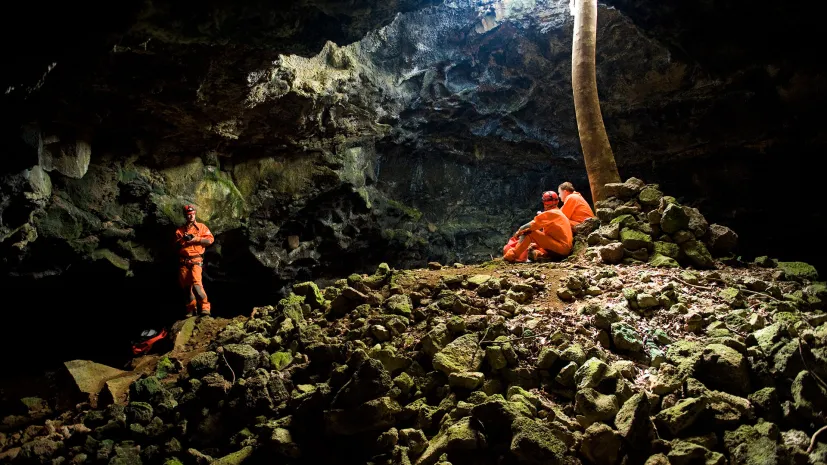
(575, 207)
(549, 233)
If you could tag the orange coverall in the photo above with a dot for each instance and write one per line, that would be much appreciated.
(191, 258)
(551, 231)
(576, 209)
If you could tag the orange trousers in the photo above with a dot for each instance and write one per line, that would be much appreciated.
(189, 277)
(551, 244)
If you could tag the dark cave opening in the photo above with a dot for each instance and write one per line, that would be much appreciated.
(90, 312)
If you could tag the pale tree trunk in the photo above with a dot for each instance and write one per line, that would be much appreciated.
(597, 153)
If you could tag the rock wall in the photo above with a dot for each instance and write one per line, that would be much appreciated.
(428, 139)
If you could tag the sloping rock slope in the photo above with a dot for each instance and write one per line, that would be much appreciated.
(478, 364)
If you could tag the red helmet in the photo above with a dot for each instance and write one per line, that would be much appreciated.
(189, 208)
(550, 197)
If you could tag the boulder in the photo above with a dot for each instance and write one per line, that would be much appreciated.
(466, 380)
(242, 358)
(681, 416)
(724, 368)
(399, 304)
(590, 374)
(611, 253)
(650, 197)
(673, 219)
(373, 415)
(369, 381)
(633, 420)
(620, 190)
(721, 240)
(86, 379)
(591, 406)
(668, 249)
(798, 271)
(311, 293)
(588, 226)
(697, 254)
(203, 363)
(661, 261)
(625, 338)
(463, 354)
(634, 240)
(601, 445)
(698, 225)
(534, 443)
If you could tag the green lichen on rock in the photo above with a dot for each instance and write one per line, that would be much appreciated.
(311, 293)
(291, 306)
(164, 368)
(650, 196)
(798, 270)
(399, 304)
(412, 213)
(63, 220)
(535, 443)
(236, 457)
(674, 219)
(662, 261)
(634, 240)
(280, 360)
(111, 257)
(282, 176)
(681, 416)
(697, 254)
(219, 202)
(463, 354)
(668, 249)
(624, 220)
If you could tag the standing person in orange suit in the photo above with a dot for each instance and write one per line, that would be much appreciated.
(549, 232)
(575, 207)
(191, 239)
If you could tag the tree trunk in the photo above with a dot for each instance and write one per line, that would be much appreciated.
(597, 153)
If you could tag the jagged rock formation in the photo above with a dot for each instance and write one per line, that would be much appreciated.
(473, 365)
(428, 138)
(422, 136)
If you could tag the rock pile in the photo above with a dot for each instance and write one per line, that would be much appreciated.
(638, 223)
(481, 366)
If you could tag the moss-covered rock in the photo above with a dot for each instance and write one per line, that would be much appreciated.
(311, 293)
(280, 360)
(681, 416)
(463, 354)
(625, 338)
(650, 197)
(625, 221)
(634, 240)
(534, 443)
(399, 304)
(112, 258)
(798, 271)
(592, 406)
(662, 261)
(633, 420)
(590, 374)
(219, 202)
(291, 307)
(235, 458)
(673, 219)
(724, 368)
(697, 254)
(668, 249)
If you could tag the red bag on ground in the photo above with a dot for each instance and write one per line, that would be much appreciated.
(513, 243)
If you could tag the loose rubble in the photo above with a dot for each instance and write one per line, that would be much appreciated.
(553, 363)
